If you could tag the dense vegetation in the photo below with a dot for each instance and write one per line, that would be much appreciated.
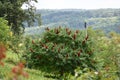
(11, 10)
(101, 18)
(4, 31)
(105, 19)
(105, 56)
(62, 53)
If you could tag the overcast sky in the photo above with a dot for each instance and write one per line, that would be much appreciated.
(77, 4)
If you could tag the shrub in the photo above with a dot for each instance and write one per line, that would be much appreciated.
(61, 50)
(16, 71)
(4, 31)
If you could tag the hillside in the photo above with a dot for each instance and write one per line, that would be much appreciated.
(105, 19)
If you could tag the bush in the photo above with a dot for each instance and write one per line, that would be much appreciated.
(4, 31)
(7, 38)
(61, 50)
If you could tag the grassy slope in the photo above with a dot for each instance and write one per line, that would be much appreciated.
(11, 60)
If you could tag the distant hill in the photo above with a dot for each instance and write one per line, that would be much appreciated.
(105, 19)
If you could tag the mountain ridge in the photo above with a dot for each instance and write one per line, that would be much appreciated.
(105, 19)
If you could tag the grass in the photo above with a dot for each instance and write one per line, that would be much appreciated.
(11, 60)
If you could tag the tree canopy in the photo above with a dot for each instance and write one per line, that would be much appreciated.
(17, 17)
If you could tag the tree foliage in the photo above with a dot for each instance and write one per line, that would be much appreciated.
(61, 51)
(105, 19)
(16, 16)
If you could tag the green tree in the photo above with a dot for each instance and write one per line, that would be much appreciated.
(61, 50)
(16, 16)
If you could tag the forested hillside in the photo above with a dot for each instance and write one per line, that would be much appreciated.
(106, 19)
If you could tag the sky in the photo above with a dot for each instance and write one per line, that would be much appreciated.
(76, 4)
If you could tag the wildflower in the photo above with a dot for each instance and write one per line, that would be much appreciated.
(31, 50)
(46, 47)
(21, 65)
(18, 71)
(77, 31)
(15, 70)
(66, 29)
(86, 37)
(83, 42)
(59, 50)
(78, 53)
(74, 36)
(57, 31)
(42, 44)
(81, 50)
(25, 74)
(1, 63)
(69, 32)
(33, 42)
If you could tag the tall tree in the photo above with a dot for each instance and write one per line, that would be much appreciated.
(11, 10)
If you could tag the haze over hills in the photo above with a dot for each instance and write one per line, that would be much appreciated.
(105, 19)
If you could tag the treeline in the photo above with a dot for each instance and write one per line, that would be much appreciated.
(106, 19)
